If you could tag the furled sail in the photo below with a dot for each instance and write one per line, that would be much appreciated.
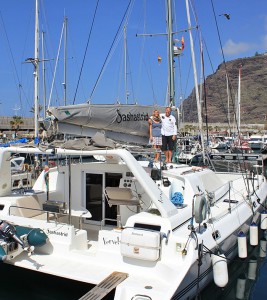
(123, 122)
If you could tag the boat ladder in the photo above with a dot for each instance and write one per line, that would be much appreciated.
(104, 287)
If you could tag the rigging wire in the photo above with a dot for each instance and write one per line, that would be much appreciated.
(19, 86)
(48, 45)
(124, 55)
(86, 48)
(224, 62)
(55, 69)
(142, 49)
(110, 49)
(225, 66)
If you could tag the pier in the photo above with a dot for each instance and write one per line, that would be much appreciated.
(234, 156)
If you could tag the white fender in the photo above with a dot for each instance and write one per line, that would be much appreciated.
(220, 271)
(253, 234)
(242, 245)
(264, 220)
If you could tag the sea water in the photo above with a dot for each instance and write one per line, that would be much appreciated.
(247, 277)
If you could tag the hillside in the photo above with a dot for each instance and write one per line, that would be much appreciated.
(253, 92)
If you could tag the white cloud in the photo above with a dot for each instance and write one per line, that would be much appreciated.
(232, 47)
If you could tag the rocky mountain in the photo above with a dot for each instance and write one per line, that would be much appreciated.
(253, 92)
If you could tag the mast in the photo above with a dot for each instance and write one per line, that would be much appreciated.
(228, 101)
(36, 71)
(195, 79)
(65, 60)
(170, 54)
(239, 99)
(44, 81)
(125, 64)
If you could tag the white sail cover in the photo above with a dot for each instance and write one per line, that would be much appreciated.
(117, 120)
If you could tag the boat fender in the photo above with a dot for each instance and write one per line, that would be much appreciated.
(253, 234)
(242, 245)
(252, 268)
(3, 255)
(220, 271)
(240, 287)
(264, 220)
(200, 209)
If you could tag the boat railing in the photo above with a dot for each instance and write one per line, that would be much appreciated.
(48, 214)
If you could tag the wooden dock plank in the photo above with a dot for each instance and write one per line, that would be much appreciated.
(105, 286)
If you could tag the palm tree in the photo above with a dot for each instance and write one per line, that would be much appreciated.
(33, 108)
(15, 124)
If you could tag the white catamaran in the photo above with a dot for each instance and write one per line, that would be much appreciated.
(117, 222)
(147, 230)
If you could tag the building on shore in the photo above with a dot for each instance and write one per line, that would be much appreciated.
(25, 129)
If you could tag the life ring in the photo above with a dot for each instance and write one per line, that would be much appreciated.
(200, 209)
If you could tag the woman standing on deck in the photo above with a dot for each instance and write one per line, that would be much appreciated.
(155, 136)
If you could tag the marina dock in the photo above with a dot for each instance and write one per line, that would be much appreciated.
(234, 156)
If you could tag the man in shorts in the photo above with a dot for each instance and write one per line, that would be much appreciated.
(169, 133)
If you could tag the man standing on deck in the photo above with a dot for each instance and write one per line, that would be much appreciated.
(169, 133)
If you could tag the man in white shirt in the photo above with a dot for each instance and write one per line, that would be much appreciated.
(169, 133)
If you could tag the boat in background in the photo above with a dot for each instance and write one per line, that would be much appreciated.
(256, 141)
(22, 175)
(190, 153)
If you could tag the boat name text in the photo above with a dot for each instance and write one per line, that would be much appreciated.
(111, 242)
(132, 117)
(58, 233)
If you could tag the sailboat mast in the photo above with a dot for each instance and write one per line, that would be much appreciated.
(239, 99)
(44, 81)
(125, 64)
(65, 60)
(228, 101)
(170, 54)
(36, 71)
(195, 78)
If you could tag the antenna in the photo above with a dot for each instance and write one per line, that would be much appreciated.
(16, 109)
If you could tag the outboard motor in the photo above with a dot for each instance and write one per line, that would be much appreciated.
(8, 231)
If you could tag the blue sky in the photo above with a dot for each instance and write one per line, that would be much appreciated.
(241, 36)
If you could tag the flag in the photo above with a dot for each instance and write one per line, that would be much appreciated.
(182, 41)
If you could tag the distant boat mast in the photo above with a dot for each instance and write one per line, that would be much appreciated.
(239, 100)
(36, 71)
